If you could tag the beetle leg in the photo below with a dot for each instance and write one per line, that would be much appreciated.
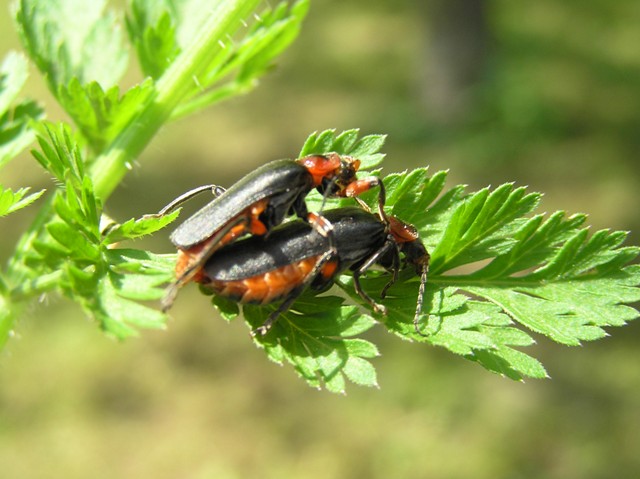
(328, 190)
(363, 205)
(273, 317)
(299, 208)
(395, 269)
(365, 184)
(180, 200)
(216, 190)
(293, 295)
(388, 246)
(382, 199)
(324, 228)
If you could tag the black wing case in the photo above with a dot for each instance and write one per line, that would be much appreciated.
(272, 179)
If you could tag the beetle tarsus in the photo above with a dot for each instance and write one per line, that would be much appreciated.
(380, 309)
(273, 317)
(169, 297)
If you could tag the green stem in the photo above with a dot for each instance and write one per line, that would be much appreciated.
(215, 96)
(111, 166)
(171, 89)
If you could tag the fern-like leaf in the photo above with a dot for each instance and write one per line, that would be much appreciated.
(499, 274)
(108, 283)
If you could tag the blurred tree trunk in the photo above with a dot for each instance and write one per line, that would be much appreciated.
(457, 37)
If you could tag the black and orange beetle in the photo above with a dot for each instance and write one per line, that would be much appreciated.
(294, 256)
(257, 203)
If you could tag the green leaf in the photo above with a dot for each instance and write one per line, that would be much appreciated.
(107, 283)
(140, 275)
(15, 131)
(482, 226)
(500, 272)
(569, 311)
(75, 244)
(152, 29)
(357, 369)
(72, 39)
(135, 228)
(118, 316)
(367, 150)
(228, 309)
(13, 201)
(13, 75)
(549, 276)
(411, 194)
(102, 115)
(267, 38)
(240, 63)
(319, 342)
(196, 51)
(112, 289)
(60, 153)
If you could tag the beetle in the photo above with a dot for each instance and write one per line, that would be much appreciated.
(257, 203)
(294, 257)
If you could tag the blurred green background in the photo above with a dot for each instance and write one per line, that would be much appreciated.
(545, 93)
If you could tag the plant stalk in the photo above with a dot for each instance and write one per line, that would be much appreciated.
(109, 168)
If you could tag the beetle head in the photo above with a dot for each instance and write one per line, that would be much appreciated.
(333, 183)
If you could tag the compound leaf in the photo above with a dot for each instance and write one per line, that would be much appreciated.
(499, 274)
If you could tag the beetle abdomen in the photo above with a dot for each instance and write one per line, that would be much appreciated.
(265, 288)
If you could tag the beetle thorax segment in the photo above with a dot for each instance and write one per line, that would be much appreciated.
(401, 231)
(408, 239)
(321, 167)
(331, 171)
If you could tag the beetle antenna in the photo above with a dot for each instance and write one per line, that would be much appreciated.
(423, 283)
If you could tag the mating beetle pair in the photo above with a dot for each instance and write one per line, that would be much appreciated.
(256, 204)
(278, 264)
